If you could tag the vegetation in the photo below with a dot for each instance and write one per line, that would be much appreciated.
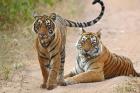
(16, 35)
(129, 86)
(13, 15)
(13, 12)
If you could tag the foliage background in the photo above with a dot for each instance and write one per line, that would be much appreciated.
(15, 11)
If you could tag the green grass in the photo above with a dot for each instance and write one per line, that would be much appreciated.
(13, 12)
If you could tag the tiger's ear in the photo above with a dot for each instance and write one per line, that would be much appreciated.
(98, 33)
(35, 15)
(53, 16)
(83, 30)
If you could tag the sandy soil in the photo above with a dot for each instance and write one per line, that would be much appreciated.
(120, 33)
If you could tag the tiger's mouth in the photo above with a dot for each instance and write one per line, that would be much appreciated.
(44, 41)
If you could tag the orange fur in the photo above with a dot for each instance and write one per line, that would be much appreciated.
(105, 65)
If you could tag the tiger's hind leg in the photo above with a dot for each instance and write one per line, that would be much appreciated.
(61, 71)
(43, 62)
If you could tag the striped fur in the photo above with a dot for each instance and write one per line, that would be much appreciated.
(50, 45)
(96, 63)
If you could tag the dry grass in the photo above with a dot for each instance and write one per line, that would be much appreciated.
(129, 86)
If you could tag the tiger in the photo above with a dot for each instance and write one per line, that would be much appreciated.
(95, 62)
(50, 44)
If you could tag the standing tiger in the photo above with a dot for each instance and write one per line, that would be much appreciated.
(96, 63)
(50, 45)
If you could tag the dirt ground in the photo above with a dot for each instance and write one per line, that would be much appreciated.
(120, 33)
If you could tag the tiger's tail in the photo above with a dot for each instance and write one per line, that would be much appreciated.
(70, 23)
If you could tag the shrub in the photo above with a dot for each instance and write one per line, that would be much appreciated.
(18, 11)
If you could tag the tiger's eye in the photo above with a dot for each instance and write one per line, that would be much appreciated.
(48, 22)
(93, 40)
(50, 31)
(39, 21)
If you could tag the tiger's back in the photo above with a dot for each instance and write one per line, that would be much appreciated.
(116, 65)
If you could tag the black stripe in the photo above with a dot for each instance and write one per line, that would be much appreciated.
(63, 62)
(123, 70)
(85, 24)
(74, 23)
(41, 53)
(101, 14)
(89, 23)
(80, 24)
(80, 67)
(90, 65)
(54, 47)
(120, 67)
(44, 57)
(113, 68)
(76, 71)
(69, 23)
(109, 61)
(95, 21)
(63, 56)
(119, 64)
(63, 51)
(48, 66)
(54, 55)
(128, 69)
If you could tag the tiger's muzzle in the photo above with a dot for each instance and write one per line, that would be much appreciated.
(44, 39)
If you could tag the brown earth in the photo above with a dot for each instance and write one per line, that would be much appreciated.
(120, 33)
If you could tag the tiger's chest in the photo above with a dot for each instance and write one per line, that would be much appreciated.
(82, 63)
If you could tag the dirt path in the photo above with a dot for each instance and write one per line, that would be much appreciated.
(120, 33)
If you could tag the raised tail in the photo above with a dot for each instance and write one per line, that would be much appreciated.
(70, 23)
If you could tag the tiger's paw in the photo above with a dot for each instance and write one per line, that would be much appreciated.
(51, 86)
(43, 86)
(70, 81)
(62, 83)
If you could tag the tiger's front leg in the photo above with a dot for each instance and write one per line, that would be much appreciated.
(43, 62)
(85, 77)
(53, 73)
(60, 79)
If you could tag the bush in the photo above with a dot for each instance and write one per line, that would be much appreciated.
(18, 11)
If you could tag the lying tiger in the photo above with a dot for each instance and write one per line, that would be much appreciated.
(96, 63)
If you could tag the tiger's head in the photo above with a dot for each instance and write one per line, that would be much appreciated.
(90, 44)
(44, 26)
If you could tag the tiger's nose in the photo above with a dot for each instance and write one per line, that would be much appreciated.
(42, 35)
(86, 50)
